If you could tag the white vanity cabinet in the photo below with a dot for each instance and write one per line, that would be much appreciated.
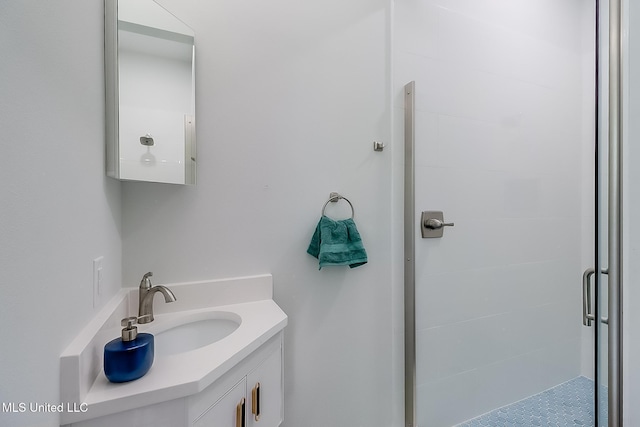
(218, 404)
(265, 393)
(254, 400)
(228, 411)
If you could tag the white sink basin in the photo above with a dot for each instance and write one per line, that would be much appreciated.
(194, 332)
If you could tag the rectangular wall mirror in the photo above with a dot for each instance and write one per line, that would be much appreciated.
(150, 93)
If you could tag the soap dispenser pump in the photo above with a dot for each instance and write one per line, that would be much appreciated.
(129, 357)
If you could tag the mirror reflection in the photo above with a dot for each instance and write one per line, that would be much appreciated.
(155, 125)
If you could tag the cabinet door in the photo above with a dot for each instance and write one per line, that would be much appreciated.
(266, 399)
(224, 412)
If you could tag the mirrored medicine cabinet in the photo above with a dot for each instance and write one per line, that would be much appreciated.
(150, 94)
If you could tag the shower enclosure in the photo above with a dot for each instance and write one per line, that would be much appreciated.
(512, 132)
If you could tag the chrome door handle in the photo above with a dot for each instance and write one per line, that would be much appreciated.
(587, 313)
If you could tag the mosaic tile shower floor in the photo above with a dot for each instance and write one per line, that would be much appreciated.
(566, 405)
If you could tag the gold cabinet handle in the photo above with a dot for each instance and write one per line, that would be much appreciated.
(240, 414)
(255, 402)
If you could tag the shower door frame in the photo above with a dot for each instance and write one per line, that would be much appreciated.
(614, 221)
(409, 255)
(614, 224)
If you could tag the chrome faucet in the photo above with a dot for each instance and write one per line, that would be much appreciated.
(145, 298)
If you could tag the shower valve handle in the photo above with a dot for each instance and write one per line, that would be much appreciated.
(436, 224)
(432, 224)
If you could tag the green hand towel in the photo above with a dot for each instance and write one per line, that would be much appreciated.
(337, 243)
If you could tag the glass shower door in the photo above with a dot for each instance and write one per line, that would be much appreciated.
(503, 126)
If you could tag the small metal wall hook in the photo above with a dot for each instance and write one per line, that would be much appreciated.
(378, 146)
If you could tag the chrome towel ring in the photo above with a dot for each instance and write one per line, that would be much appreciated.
(334, 197)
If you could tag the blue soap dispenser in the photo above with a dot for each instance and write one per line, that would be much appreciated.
(129, 357)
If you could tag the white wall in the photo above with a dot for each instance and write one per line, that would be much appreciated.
(58, 211)
(289, 104)
(499, 133)
(291, 96)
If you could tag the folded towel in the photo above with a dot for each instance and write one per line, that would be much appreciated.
(337, 243)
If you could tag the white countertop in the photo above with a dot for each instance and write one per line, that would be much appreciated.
(173, 376)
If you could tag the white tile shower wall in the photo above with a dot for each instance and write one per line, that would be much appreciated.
(498, 149)
(290, 97)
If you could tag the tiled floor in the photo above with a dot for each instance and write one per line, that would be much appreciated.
(566, 405)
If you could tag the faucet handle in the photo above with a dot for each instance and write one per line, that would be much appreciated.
(145, 283)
